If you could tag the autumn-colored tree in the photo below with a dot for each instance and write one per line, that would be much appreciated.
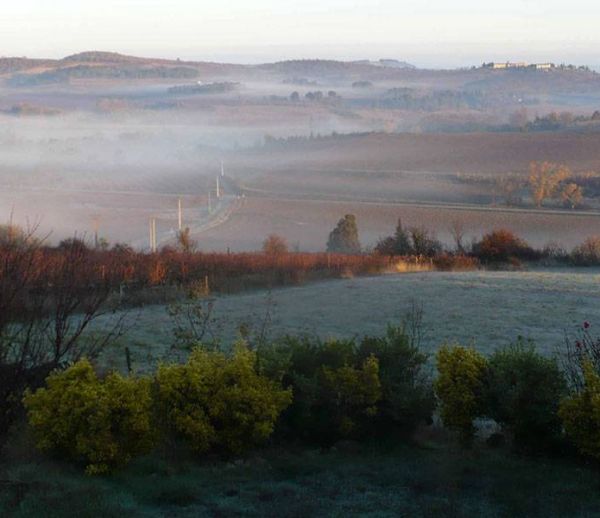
(502, 245)
(545, 179)
(275, 245)
(571, 195)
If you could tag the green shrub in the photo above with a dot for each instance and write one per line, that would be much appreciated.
(219, 402)
(103, 423)
(524, 391)
(580, 414)
(407, 394)
(460, 387)
(349, 394)
(335, 392)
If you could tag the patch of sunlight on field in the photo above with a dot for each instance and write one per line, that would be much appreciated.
(485, 309)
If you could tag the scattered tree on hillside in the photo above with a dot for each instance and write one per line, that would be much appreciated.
(344, 237)
(185, 241)
(401, 240)
(545, 179)
(519, 118)
(411, 241)
(424, 243)
(509, 186)
(571, 195)
(275, 245)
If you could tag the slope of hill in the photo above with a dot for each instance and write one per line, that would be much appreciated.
(102, 57)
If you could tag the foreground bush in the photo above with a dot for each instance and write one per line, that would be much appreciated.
(407, 398)
(102, 423)
(587, 253)
(335, 392)
(460, 388)
(580, 414)
(219, 402)
(524, 391)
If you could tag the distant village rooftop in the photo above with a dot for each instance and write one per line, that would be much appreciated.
(521, 64)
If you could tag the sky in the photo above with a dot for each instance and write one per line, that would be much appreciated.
(434, 33)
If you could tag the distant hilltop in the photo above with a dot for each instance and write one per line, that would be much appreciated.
(390, 63)
(521, 64)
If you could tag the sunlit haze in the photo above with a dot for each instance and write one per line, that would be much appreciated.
(432, 33)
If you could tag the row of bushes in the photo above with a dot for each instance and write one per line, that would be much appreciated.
(301, 389)
(500, 246)
(529, 395)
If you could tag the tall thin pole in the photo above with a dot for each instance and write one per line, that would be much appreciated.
(179, 214)
(218, 188)
(154, 232)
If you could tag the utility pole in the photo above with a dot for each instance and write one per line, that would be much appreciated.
(179, 215)
(153, 235)
(218, 188)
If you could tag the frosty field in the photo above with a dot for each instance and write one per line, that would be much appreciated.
(483, 309)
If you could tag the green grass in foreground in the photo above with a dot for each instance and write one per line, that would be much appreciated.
(430, 479)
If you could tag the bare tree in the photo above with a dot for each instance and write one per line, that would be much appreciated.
(185, 241)
(509, 186)
(457, 231)
(571, 195)
(48, 298)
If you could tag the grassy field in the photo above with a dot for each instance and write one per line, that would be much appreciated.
(485, 309)
(430, 478)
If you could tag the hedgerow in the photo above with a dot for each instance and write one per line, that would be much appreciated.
(322, 392)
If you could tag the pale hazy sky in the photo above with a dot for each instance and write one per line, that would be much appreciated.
(426, 32)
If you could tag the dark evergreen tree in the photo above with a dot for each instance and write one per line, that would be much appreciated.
(344, 237)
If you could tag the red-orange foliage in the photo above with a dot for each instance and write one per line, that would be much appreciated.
(501, 246)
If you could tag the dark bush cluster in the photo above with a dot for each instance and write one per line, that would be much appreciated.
(344, 389)
(540, 406)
